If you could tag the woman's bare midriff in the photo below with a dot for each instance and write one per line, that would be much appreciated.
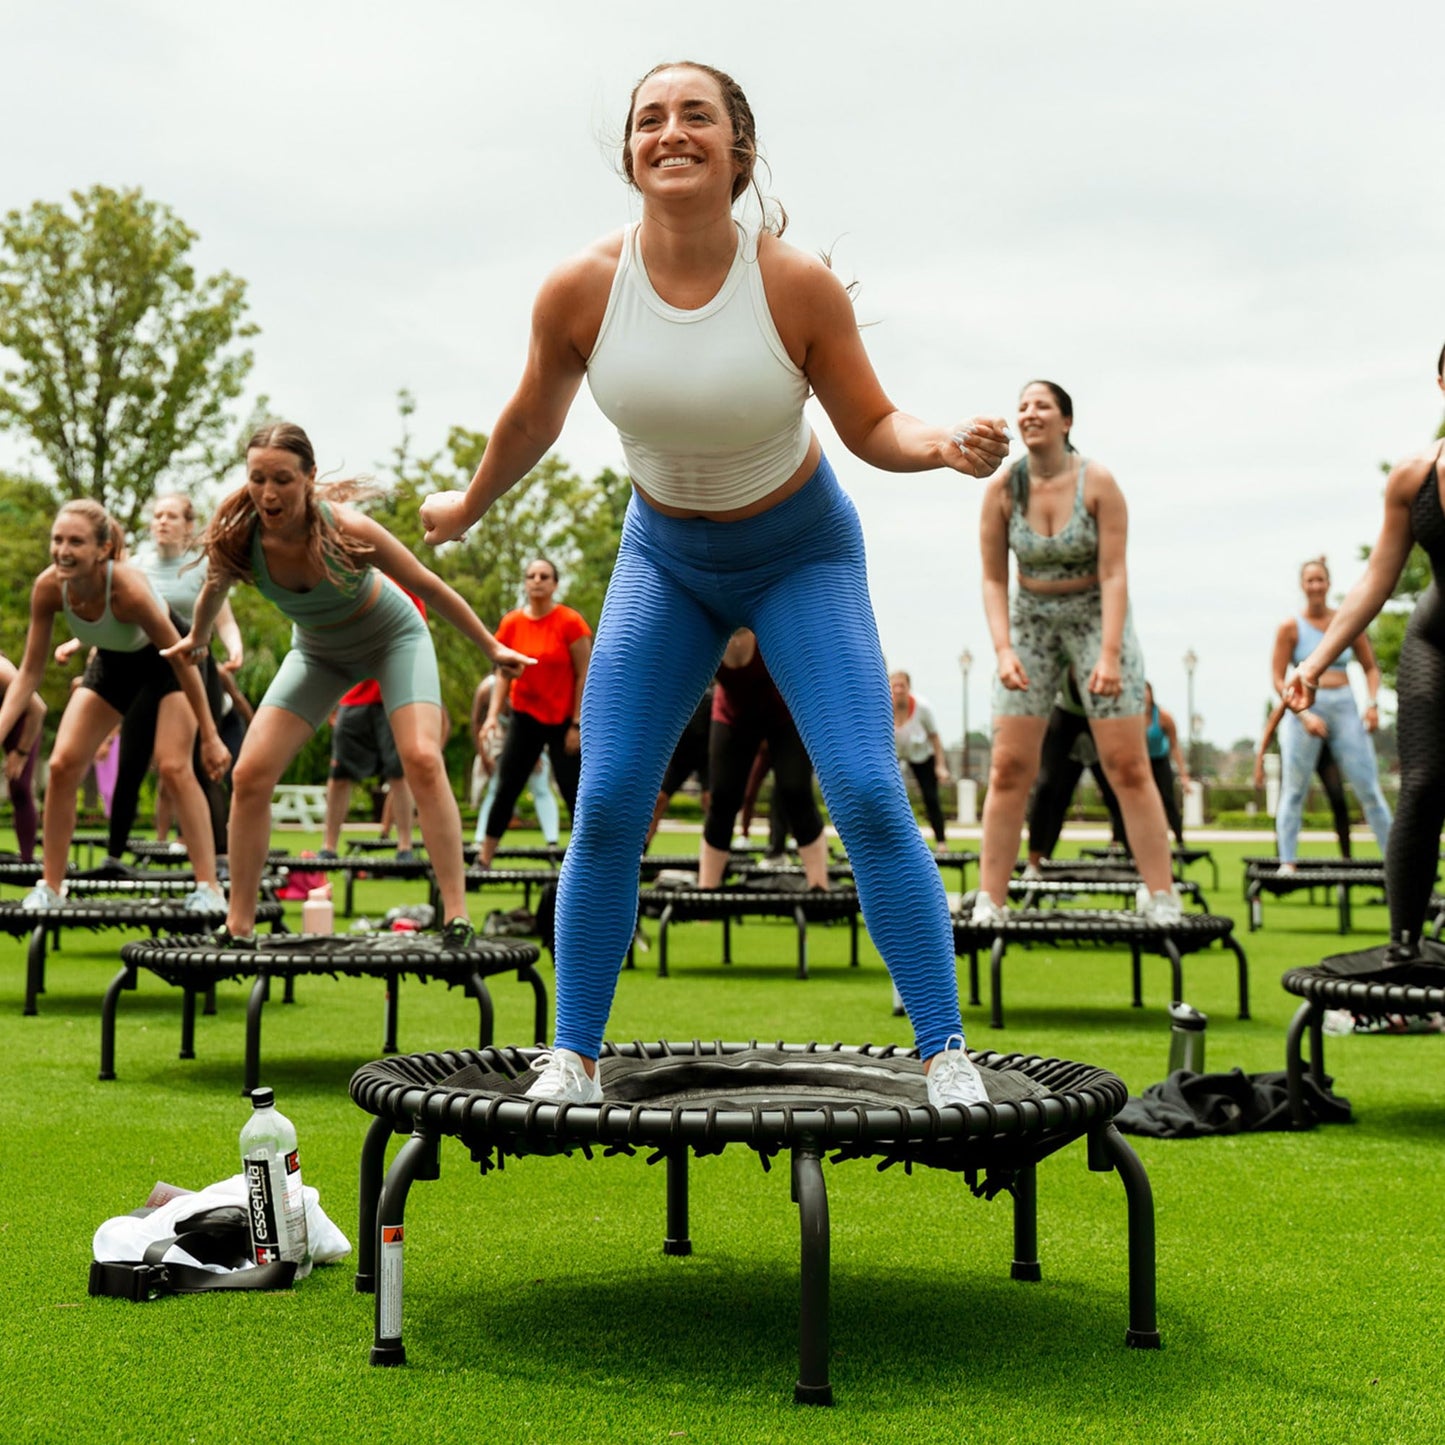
(752, 509)
(1057, 586)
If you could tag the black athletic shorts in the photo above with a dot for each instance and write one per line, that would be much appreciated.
(362, 745)
(120, 677)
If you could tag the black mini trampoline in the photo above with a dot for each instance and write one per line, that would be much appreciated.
(1373, 981)
(755, 899)
(672, 1100)
(102, 880)
(1120, 883)
(135, 915)
(196, 966)
(355, 864)
(959, 858)
(1184, 857)
(1339, 876)
(1106, 929)
(515, 880)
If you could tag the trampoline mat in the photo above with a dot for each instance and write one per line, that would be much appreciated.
(759, 1077)
(1384, 965)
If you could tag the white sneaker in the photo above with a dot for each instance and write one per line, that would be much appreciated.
(986, 912)
(561, 1079)
(1161, 907)
(1286, 870)
(205, 899)
(1032, 873)
(42, 895)
(954, 1079)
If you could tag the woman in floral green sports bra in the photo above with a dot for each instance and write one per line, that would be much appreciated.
(1064, 519)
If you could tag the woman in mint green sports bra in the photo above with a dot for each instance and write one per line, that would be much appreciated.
(110, 607)
(1065, 521)
(330, 569)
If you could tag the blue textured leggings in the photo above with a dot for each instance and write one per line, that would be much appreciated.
(797, 576)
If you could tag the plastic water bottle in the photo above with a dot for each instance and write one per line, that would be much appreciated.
(317, 914)
(271, 1164)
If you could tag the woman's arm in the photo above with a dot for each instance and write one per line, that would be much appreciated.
(44, 604)
(229, 632)
(580, 651)
(1171, 734)
(993, 544)
(1365, 653)
(1111, 515)
(815, 318)
(1372, 591)
(1269, 731)
(569, 304)
(209, 603)
(1280, 660)
(401, 566)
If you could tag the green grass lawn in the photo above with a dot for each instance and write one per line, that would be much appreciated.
(1300, 1282)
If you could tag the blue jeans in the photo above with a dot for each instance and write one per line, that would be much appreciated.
(797, 576)
(1300, 751)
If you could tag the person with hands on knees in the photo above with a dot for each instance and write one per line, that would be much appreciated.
(338, 576)
(1413, 514)
(1064, 519)
(701, 339)
(1331, 717)
(110, 607)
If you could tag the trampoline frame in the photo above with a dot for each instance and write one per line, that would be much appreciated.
(1013, 1137)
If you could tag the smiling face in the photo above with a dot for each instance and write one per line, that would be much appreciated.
(76, 549)
(279, 485)
(1314, 581)
(1042, 422)
(681, 139)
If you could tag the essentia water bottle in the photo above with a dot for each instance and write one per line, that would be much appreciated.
(271, 1165)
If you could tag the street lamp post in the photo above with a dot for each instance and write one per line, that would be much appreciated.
(967, 792)
(1191, 661)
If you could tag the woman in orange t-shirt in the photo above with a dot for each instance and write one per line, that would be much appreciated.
(546, 701)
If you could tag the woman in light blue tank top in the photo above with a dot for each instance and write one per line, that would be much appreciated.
(1333, 716)
(700, 340)
(329, 568)
(110, 607)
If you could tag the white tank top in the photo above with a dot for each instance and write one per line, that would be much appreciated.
(707, 403)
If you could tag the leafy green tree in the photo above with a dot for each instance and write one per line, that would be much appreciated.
(122, 361)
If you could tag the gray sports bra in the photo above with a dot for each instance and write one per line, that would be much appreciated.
(107, 632)
(1071, 554)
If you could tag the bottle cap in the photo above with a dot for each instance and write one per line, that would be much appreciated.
(263, 1098)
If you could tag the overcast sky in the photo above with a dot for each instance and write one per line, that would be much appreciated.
(1218, 226)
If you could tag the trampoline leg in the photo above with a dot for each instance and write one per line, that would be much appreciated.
(373, 1169)
(1243, 976)
(288, 994)
(1256, 909)
(662, 941)
(802, 942)
(483, 996)
(1294, 1067)
(1137, 967)
(1176, 969)
(126, 978)
(973, 997)
(1026, 1226)
(811, 1196)
(677, 1241)
(1109, 1150)
(34, 971)
(393, 988)
(727, 940)
(539, 997)
(350, 893)
(852, 940)
(995, 982)
(1342, 893)
(260, 992)
(188, 1023)
(418, 1158)
(210, 1008)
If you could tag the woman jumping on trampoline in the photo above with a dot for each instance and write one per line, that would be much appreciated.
(333, 572)
(110, 607)
(1332, 715)
(1064, 519)
(701, 340)
(1413, 514)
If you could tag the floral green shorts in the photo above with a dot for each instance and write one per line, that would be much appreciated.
(1052, 634)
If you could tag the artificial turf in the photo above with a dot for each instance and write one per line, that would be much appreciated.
(1300, 1283)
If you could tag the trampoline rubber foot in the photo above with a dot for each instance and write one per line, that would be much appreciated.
(1143, 1339)
(106, 1075)
(812, 1394)
(365, 1284)
(1029, 1271)
(388, 1354)
(677, 1247)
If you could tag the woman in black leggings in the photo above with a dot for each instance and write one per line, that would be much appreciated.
(1413, 514)
(748, 710)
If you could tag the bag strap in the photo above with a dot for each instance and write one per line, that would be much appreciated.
(151, 1277)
